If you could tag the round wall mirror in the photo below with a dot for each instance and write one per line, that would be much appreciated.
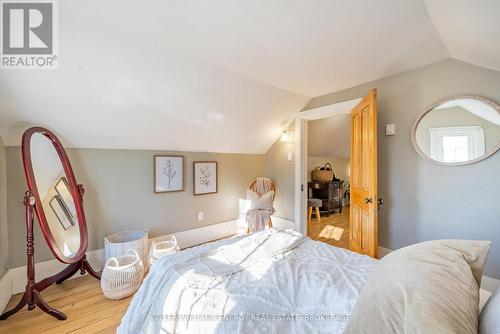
(58, 203)
(458, 131)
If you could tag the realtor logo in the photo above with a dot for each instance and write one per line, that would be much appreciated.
(28, 31)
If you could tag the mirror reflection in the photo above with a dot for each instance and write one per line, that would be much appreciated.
(55, 195)
(459, 130)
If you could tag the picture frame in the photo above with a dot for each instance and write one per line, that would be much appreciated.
(205, 177)
(61, 213)
(168, 173)
(62, 189)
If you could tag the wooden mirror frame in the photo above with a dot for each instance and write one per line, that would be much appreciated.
(75, 189)
(435, 105)
(32, 295)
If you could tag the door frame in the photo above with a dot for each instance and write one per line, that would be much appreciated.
(301, 147)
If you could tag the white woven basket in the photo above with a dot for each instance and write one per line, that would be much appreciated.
(162, 248)
(118, 244)
(122, 276)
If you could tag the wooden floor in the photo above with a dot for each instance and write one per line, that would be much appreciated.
(333, 230)
(82, 301)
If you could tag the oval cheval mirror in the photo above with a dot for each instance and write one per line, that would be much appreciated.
(56, 198)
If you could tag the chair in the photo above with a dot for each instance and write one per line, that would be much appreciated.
(314, 203)
(253, 187)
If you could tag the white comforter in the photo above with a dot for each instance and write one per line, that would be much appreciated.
(270, 282)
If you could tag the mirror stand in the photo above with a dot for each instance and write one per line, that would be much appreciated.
(32, 296)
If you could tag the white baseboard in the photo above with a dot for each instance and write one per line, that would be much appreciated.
(383, 252)
(282, 223)
(5, 290)
(203, 234)
(490, 284)
(487, 283)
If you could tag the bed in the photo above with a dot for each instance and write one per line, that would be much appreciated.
(274, 281)
(279, 281)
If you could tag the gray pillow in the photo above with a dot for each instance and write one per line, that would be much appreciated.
(489, 322)
(431, 287)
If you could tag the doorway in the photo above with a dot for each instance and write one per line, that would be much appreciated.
(361, 218)
(328, 161)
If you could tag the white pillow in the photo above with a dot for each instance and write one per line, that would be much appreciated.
(264, 202)
(431, 287)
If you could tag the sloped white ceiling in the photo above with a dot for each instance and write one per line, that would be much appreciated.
(221, 76)
(469, 29)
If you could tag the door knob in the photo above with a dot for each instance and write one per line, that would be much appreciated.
(368, 200)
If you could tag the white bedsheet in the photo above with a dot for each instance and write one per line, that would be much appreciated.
(269, 282)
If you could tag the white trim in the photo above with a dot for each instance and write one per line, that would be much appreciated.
(383, 252)
(300, 175)
(203, 234)
(487, 283)
(5, 290)
(475, 140)
(336, 109)
(282, 223)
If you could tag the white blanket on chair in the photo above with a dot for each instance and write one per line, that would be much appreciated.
(263, 185)
(257, 219)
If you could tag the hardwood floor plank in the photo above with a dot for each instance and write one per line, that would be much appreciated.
(82, 301)
(330, 228)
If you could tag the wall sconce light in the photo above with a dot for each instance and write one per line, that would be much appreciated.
(285, 136)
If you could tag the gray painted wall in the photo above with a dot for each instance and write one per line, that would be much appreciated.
(119, 195)
(424, 200)
(4, 241)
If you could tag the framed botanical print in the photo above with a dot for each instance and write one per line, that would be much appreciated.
(168, 173)
(205, 177)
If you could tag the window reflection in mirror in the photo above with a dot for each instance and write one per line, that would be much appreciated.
(459, 130)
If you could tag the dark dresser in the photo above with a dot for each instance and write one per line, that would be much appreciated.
(329, 192)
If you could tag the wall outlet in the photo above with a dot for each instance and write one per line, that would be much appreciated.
(200, 216)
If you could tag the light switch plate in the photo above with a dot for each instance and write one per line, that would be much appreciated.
(390, 129)
(290, 156)
(200, 216)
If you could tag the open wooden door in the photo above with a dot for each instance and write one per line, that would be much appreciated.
(364, 201)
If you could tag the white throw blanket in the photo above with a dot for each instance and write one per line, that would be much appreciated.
(263, 185)
(245, 284)
(257, 219)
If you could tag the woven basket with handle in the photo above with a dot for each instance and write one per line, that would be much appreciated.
(122, 276)
(323, 174)
(162, 248)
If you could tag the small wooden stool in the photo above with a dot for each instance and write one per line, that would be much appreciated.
(316, 204)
